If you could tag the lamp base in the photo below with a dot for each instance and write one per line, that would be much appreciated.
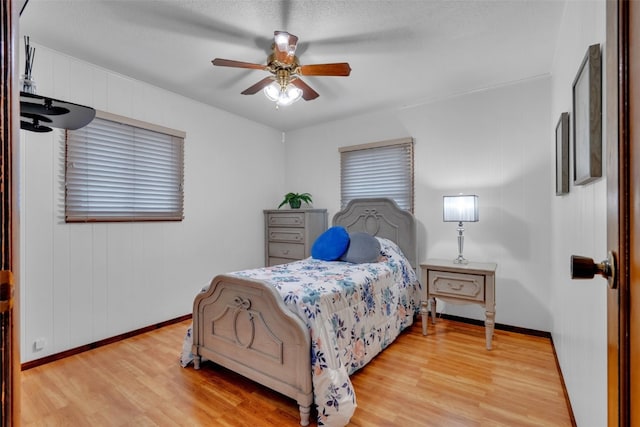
(461, 260)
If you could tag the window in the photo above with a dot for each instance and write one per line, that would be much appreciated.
(119, 169)
(380, 169)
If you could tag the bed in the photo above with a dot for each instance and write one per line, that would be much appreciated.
(302, 328)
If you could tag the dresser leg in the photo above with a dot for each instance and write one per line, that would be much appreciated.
(489, 325)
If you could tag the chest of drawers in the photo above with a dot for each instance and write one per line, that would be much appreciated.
(290, 233)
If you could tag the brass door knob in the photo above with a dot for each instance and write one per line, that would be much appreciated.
(585, 268)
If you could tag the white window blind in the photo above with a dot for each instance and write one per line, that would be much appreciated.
(381, 169)
(124, 170)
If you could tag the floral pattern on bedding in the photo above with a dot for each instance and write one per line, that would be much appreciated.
(353, 311)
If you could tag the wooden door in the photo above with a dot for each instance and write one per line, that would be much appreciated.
(633, 76)
(9, 333)
(623, 208)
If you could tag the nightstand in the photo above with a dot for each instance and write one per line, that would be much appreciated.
(472, 283)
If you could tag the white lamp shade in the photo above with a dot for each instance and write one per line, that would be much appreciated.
(272, 91)
(275, 93)
(290, 95)
(461, 208)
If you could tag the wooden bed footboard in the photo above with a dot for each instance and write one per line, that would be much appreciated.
(244, 325)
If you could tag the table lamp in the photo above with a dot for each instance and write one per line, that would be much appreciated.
(461, 208)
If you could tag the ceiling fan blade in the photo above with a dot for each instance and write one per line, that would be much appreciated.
(337, 69)
(307, 92)
(236, 64)
(258, 86)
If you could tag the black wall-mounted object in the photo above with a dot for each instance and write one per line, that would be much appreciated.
(41, 114)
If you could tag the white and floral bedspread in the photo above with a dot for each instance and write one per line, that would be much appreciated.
(353, 311)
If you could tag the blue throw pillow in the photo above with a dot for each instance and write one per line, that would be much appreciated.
(363, 247)
(331, 244)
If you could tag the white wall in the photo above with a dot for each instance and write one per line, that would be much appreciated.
(492, 143)
(84, 282)
(579, 227)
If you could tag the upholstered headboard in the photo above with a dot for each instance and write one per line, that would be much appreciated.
(383, 218)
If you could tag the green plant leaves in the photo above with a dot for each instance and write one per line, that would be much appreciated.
(295, 199)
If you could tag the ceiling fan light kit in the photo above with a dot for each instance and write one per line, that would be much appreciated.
(282, 95)
(284, 86)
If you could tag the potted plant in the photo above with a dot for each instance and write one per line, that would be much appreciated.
(295, 200)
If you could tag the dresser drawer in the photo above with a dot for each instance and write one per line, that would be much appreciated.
(278, 261)
(461, 286)
(286, 250)
(285, 219)
(295, 235)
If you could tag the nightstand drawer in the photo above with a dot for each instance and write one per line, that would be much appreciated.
(286, 219)
(295, 235)
(286, 250)
(461, 286)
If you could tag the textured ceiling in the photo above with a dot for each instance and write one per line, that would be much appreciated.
(402, 52)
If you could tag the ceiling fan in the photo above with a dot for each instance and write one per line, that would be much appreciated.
(284, 85)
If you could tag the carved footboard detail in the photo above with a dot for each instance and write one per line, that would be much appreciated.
(248, 329)
(244, 326)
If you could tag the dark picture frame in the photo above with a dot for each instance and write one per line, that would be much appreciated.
(587, 118)
(562, 155)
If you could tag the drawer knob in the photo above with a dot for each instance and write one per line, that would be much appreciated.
(456, 286)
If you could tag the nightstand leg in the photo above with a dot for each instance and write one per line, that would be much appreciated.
(424, 311)
(489, 325)
(433, 311)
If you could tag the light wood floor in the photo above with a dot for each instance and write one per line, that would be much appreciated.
(444, 379)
